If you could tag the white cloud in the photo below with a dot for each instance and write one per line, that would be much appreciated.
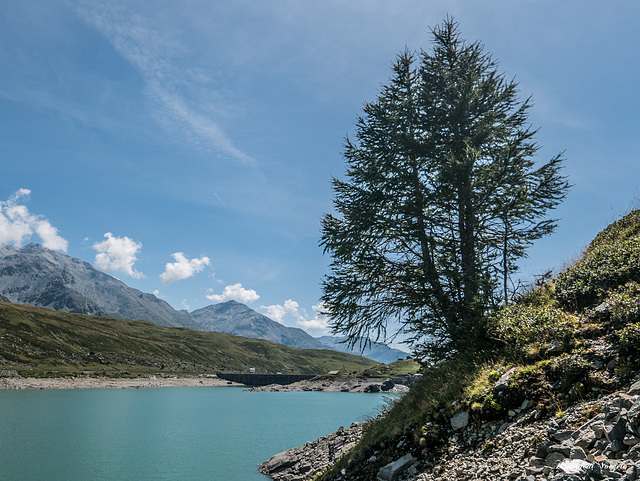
(182, 268)
(17, 224)
(237, 293)
(278, 312)
(118, 254)
(290, 308)
(320, 321)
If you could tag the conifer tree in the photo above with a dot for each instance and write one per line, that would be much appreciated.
(441, 198)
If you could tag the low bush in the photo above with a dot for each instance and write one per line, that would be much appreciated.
(601, 270)
(518, 326)
(624, 303)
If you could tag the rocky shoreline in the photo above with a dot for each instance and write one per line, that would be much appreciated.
(595, 440)
(341, 384)
(16, 382)
(306, 461)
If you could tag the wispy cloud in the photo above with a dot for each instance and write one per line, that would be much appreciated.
(118, 254)
(183, 268)
(175, 89)
(237, 293)
(17, 224)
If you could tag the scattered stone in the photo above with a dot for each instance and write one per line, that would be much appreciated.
(561, 436)
(577, 453)
(392, 470)
(635, 389)
(460, 420)
(554, 458)
(304, 462)
(503, 382)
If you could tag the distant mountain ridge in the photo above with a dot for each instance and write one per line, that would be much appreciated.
(37, 276)
(376, 351)
(240, 320)
(235, 318)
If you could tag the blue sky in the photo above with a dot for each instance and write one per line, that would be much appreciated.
(187, 147)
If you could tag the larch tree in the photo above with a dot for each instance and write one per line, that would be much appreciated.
(441, 198)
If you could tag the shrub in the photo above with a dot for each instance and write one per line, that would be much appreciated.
(624, 229)
(630, 339)
(520, 325)
(540, 295)
(603, 269)
(625, 303)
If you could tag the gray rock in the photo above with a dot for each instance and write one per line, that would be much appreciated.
(306, 461)
(460, 420)
(393, 470)
(598, 430)
(554, 458)
(586, 440)
(630, 440)
(536, 462)
(564, 449)
(577, 453)
(617, 446)
(602, 310)
(634, 389)
(561, 436)
(503, 382)
(634, 453)
(618, 431)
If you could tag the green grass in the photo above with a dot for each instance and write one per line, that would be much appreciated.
(41, 342)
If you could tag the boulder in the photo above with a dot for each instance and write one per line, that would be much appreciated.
(393, 470)
(460, 420)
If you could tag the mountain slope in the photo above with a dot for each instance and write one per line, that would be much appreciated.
(37, 276)
(235, 318)
(377, 351)
(42, 342)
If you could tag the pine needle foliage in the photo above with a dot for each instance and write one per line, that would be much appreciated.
(441, 198)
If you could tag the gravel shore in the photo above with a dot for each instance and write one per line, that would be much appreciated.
(106, 383)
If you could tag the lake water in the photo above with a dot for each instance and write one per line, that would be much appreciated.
(167, 434)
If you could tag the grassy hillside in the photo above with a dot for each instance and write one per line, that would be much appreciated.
(41, 342)
(570, 340)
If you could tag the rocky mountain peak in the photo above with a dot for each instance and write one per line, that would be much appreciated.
(37, 276)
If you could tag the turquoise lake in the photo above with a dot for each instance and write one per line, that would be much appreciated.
(165, 434)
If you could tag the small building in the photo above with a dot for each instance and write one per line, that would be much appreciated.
(252, 370)
(334, 373)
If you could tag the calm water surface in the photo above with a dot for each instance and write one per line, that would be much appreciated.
(170, 434)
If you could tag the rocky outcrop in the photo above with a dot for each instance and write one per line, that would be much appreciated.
(597, 440)
(308, 460)
(341, 384)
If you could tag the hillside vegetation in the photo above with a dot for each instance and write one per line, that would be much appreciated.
(40, 342)
(565, 343)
